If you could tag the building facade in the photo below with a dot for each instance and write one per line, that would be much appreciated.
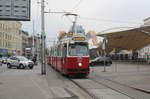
(24, 41)
(33, 48)
(10, 37)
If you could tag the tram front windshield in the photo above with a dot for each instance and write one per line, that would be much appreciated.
(78, 49)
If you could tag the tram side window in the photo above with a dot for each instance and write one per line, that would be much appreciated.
(52, 52)
(59, 51)
(64, 51)
(55, 51)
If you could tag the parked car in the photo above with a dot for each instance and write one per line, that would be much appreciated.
(100, 61)
(20, 62)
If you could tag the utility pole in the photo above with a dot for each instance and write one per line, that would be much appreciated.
(33, 42)
(43, 36)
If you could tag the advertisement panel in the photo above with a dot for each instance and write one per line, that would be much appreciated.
(17, 10)
(3, 51)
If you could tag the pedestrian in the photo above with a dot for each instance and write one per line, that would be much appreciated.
(0, 63)
(34, 59)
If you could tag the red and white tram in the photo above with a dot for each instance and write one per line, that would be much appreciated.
(70, 55)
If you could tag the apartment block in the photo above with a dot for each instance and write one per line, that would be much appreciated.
(10, 37)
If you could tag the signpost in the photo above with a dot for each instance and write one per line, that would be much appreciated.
(18, 10)
(104, 48)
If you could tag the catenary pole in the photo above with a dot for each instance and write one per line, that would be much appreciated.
(33, 42)
(43, 66)
(43, 36)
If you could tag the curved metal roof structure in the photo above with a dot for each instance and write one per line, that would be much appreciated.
(133, 39)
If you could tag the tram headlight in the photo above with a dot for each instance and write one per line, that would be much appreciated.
(79, 64)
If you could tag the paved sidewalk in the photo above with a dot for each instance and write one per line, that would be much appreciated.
(29, 84)
(23, 84)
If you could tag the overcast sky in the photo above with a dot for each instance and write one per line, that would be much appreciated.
(95, 15)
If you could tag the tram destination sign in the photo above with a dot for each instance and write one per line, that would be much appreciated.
(17, 10)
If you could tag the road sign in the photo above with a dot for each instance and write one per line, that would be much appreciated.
(15, 10)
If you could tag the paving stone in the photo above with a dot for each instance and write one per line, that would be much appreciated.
(59, 92)
(87, 83)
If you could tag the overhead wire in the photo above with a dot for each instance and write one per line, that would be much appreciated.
(80, 1)
(105, 20)
(108, 20)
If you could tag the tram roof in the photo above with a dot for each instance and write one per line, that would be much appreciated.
(133, 39)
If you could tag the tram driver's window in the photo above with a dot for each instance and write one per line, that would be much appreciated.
(72, 50)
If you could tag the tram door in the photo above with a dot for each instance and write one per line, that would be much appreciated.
(64, 56)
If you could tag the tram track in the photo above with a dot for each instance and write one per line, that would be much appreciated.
(80, 87)
(79, 84)
(84, 89)
(69, 82)
(94, 96)
(129, 91)
(148, 92)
